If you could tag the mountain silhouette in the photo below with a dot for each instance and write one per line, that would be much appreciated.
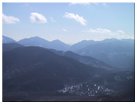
(6, 39)
(37, 41)
(117, 53)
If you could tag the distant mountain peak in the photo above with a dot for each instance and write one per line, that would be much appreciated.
(34, 38)
(7, 39)
(56, 40)
(38, 41)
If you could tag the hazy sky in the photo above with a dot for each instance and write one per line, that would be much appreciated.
(69, 22)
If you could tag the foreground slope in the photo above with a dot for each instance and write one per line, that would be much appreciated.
(37, 74)
(37, 69)
(10, 46)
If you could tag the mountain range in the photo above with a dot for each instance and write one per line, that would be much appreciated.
(38, 73)
(116, 53)
(37, 41)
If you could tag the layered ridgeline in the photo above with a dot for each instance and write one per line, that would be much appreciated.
(116, 53)
(33, 73)
(37, 41)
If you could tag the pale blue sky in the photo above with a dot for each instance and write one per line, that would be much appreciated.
(69, 22)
